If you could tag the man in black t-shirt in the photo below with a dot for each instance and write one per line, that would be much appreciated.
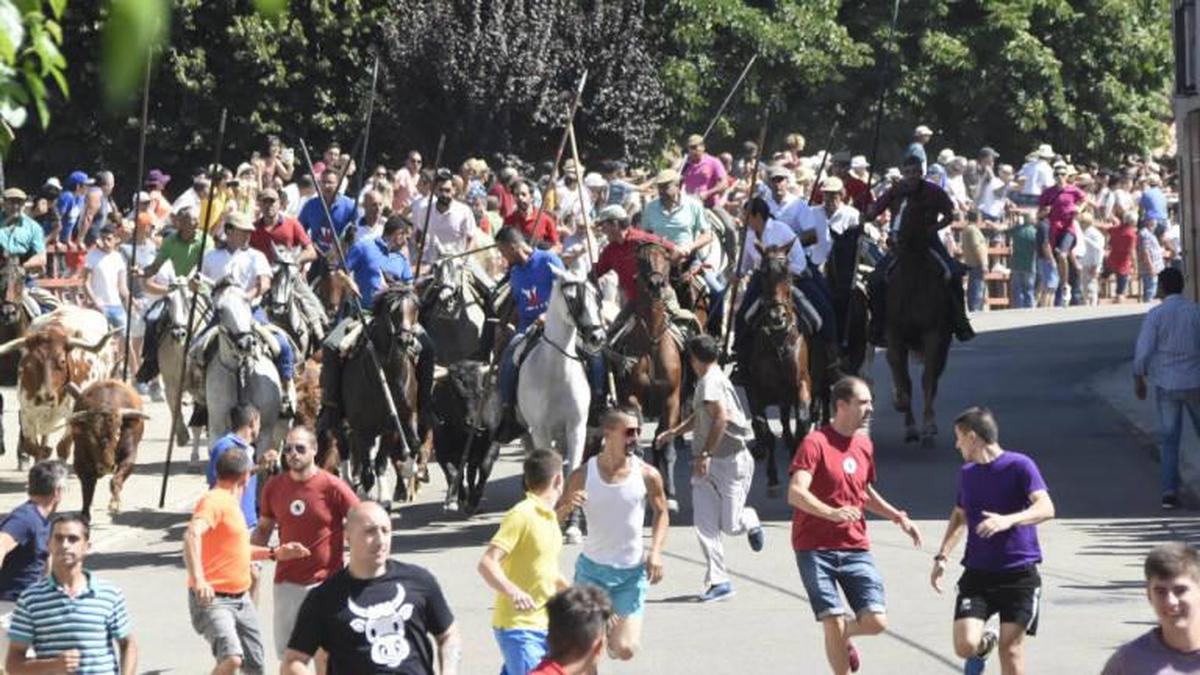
(376, 615)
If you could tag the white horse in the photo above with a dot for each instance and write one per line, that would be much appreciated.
(241, 370)
(553, 392)
(172, 325)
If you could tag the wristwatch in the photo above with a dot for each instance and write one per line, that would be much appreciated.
(939, 558)
(271, 552)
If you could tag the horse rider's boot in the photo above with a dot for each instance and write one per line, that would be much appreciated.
(877, 302)
(833, 361)
(331, 387)
(958, 302)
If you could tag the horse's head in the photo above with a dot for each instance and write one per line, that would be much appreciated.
(577, 302)
(654, 270)
(447, 287)
(394, 326)
(775, 263)
(12, 290)
(234, 316)
(283, 283)
(176, 307)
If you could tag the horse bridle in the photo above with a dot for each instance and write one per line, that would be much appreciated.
(576, 309)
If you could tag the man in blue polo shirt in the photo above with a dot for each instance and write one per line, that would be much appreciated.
(70, 203)
(70, 619)
(23, 538)
(312, 217)
(245, 422)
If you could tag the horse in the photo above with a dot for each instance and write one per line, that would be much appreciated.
(454, 312)
(846, 269)
(282, 304)
(15, 316)
(172, 327)
(653, 382)
(552, 389)
(241, 370)
(392, 333)
(464, 409)
(779, 368)
(918, 321)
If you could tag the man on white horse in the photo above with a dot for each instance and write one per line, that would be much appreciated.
(532, 282)
(249, 271)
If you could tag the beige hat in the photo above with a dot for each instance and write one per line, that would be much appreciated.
(1044, 151)
(594, 180)
(805, 174)
(859, 163)
(14, 194)
(667, 176)
(945, 156)
(832, 184)
(695, 139)
(239, 221)
(568, 168)
(612, 212)
(1083, 179)
(1153, 179)
(778, 171)
(923, 130)
(244, 167)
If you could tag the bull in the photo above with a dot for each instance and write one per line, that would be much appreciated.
(62, 353)
(383, 626)
(107, 426)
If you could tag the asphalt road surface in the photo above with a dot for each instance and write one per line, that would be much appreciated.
(1031, 368)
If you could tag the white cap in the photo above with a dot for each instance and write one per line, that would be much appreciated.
(143, 197)
(923, 130)
(859, 162)
(53, 182)
(594, 180)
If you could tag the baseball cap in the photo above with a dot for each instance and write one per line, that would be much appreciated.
(923, 130)
(239, 221)
(612, 212)
(78, 178)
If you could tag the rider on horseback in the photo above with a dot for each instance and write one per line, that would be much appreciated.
(532, 283)
(21, 237)
(181, 249)
(917, 205)
(276, 231)
(814, 304)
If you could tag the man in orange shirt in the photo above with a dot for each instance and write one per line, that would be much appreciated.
(217, 552)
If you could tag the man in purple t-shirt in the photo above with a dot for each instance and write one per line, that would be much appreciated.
(703, 174)
(1173, 646)
(1001, 500)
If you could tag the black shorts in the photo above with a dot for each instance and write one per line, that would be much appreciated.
(1015, 596)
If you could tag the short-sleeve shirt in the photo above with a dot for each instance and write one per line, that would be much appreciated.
(286, 233)
(544, 232)
(225, 546)
(183, 254)
(371, 263)
(244, 266)
(622, 259)
(531, 541)
(312, 512)
(715, 386)
(842, 467)
(1121, 241)
(379, 625)
(1153, 204)
(70, 205)
(22, 237)
(26, 563)
(52, 622)
(106, 270)
(1000, 486)
(449, 232)
(681, 225)
(1149, 247)
(703, 175)
(1024, 248)
(312, 217)
(532, 284)
(1063, 203)
(224, 444)
(775, 233)
(1149, 655)
(548, 667)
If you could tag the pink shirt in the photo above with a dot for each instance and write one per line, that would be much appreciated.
(1063, 202)
(704, 175)
(403, 190)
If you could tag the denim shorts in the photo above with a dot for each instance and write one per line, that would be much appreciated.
(626, 586)
(115, 315)
(1047, 273)
(521, 648)
(824, 572)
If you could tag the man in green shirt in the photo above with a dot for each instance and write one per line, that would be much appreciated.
(21, 237)
(1023, 239)
(182, 249)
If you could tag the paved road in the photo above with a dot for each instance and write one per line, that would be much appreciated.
(1030, 367)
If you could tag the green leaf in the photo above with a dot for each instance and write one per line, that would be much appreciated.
(133, 29)
(57, 7)
(12, 31)
(270, 7)
(55, 30)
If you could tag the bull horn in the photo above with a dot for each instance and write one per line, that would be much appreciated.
(133, 412)
(74, 390)
(77, 343)
(81, 414)
(15, 343)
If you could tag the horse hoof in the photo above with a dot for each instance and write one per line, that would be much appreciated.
(773, 491)
(573, 535)
(451, 507)
(673, 505)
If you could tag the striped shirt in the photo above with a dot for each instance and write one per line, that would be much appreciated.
(52, 622)
(1168, 347)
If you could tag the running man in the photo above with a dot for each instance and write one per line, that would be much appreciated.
(613, 488)
(833, 476)
(1001, 500)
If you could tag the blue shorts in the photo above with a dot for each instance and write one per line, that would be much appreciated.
(521, 648)
(1047, 271)
(626, 586)
(823, 572)
(115, 315)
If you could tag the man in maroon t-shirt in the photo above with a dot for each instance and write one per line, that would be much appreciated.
(832, 485)
(273, 228)
(310, 505)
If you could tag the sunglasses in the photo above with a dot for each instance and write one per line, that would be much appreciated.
(694, 147)
(633, 432)
(298, 448)
(266, 200)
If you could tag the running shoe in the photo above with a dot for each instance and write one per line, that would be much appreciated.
(717, 592)
(757, 538)
(852, 657)
(975, 664)
(1170, 502)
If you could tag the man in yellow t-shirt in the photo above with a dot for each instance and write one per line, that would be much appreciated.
(217, 552)
(521, 564)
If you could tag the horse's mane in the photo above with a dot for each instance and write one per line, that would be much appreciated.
(390, 296)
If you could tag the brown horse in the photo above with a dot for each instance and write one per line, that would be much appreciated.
(654, 379)
(14, 318)
(918, 321)
(779, 367)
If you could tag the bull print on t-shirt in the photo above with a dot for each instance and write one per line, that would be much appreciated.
(383, 626)
(850, 465)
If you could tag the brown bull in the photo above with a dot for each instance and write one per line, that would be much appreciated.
(107, 426)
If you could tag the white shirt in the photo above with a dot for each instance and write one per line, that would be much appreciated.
(291, 192)
(568, 201)
(1093, 251)
(956, 187)
(992, 197)
(449, 232)
(245, 266)
(775, 233)
(803, 218)
(104, 278)
(1038, 176)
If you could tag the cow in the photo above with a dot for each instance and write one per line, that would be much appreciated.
(63, 352)
(463, 414)
(383, 626)
(107, 426)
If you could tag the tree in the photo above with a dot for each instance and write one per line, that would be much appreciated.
(30, 59)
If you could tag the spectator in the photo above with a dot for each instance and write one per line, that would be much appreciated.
(405, 186)
(70, 203)
(1153, 204)
(975, 257)
(1150, 259)
(347, 612)
(245, 423)
(1173, 646)
(921, 136)
(578, 617)
(24, 535)
(703, 174)
(71, 618)
(1023, 261)
(993, 195)
(1168, 355)
(1091, 259)
(1121, 242)
(104, 273)
(1035, 176)
(217, 553)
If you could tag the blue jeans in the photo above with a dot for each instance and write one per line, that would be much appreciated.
(1022, 289)
(594, 368)
(115, 315)
(1171, 405)
(1149, 286)
(287, 356)
(975, 289)
(823, 572)
(1047, 271)
(521, 648)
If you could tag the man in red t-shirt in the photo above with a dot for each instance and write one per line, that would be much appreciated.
(526, 213)
(310, 505)
(273, 229)
(579, 616)
(620, 256)
(832, 485)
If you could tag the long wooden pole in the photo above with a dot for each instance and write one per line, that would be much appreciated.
(737, 276)
(133, 259)
(562, 145)
(732, 90)
(362, 169)
(178, 402)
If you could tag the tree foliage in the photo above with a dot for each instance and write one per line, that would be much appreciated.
(30, 60)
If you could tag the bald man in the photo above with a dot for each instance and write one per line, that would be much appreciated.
(376, 615)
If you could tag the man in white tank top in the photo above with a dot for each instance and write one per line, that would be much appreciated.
(612, 488)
